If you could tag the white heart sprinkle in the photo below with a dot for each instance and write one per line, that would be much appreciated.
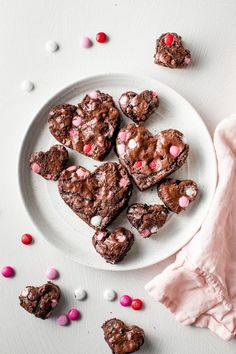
(96, 220)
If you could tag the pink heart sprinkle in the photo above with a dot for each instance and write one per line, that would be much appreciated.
(72, 132)
(123, 182)
(72, 168)
(123, 136)
(183, 202)
(93, 95)
(145, 233)
(77, 121)
(174, 150)
(35, 167)
(80, 172)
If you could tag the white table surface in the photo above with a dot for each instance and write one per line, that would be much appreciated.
(208, 28)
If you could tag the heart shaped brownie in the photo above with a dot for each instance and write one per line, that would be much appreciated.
(139, 107)
(122, 339)
(41, 300)
(147, 158)
(147, 219)
(176, 194)
(49, 164)
(113, 246)
(89, 127)
(170, 51)
(96, 197)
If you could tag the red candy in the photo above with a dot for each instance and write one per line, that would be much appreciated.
(152, 165)
(101, 37)
(138, 164)
(73, 314)
(136, 304)
(26, 239)
(168, 39)
(87, 148)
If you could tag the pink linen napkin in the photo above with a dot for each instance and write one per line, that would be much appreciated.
(200, 286)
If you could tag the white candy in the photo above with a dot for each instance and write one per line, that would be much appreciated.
(80, 294)
(190, 191)
(27, 86)
(96, 220)
(109, 295)
(132, 144)
(51, 46)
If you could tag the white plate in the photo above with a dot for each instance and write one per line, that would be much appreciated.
(62, 228)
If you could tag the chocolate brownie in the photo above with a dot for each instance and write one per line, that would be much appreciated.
(176, 194)
(41, 300)
(147, 219)
(139, 107)
(122, 339)
(113, 246)
(170, 51)
(49, 164)
(96, 197)
(147, 158)
(89, 127)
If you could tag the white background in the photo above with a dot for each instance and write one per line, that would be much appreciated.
(208, 28)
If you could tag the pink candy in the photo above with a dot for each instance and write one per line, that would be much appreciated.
(174, 150)
(93, 95)
(187, 61)
(77, 121)
(7, 271)
(62, 320)
(80, 172)
(121, 238)
(124, 99)
(35, 167)
(52, 273)
(86, 42)
(183, 202)
(145, 233)
(123, 136)
(123, 182)
(73, 314)
(121, 149)
(125, 300)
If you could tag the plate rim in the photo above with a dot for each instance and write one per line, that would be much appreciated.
(62, 92)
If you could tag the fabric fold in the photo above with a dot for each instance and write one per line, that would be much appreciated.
(199, 288)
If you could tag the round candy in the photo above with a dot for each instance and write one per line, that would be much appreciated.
(96, 220)
(35, 167)
(101, 37)
(183, 202)
(168, 40)
(62, 320)
(174, 150)
(109, 295)
(52, 273)
(138, 164)
(51, 46)
(7, 271)
(136, 304)
(125, 300)
(27, 86)
(87, 148)
(132, 144)
(86, 42)
(73, 314)
(80, 294)
(26, 239)
(153, 165)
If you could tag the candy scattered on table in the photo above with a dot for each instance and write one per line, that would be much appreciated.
(101, 37)
(52, 273)
(109, 295)
(73, 314)
(136, 304)
(7, 272)
(27, 86)
(125, 300)
(80, 294)
(51, 46)
(86, 42)
(26, 239)
(62, 320)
